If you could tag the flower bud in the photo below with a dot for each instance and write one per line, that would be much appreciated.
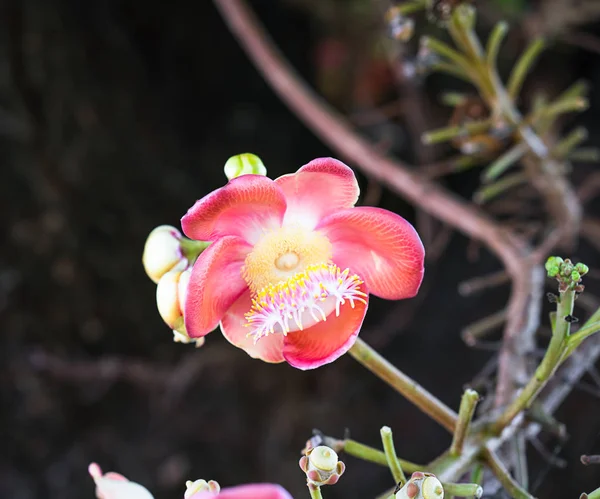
(421, 486)
(170, 298)
(244, 164)
(162, 252)
(200, 486)
(321, 466)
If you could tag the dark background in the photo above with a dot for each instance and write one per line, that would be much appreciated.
(115, 116)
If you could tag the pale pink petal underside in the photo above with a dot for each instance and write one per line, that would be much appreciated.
(245, 207)
(215, 284)
(380, 246)
(318, 188)
(268, 348)
(327, 340)
(250, 491)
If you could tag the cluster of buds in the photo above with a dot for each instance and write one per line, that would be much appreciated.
(198, 486)
(169, 256)
(421, 486)
(167, 259)
(566, 273)
(321, 466)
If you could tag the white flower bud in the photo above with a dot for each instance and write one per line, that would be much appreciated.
(244, 164)
(321, 466)
(421, 486)
(323, 458)
(170, 298)
(162, 252)
(200, 486)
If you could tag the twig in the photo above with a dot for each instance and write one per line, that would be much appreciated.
(465, 415)
(414, 392)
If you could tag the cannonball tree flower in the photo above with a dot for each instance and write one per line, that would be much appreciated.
(292, 262)
(115, 486)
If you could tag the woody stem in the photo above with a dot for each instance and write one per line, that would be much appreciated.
(405, 385)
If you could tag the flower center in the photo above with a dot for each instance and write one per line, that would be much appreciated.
(282, 253)
(287, 261)
(303, 300)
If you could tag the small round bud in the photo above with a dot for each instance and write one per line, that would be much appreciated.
(200, 486)
(321, 466)
(575, 276)
(566, 268)
(323, 458)
(421, 486)
(162, 252)
(244, 164)
(582, 268)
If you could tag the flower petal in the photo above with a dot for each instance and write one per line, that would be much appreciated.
(107, 488)
(245, 207)
(380, 246)
(215, 284)
(250, 491)
(318, 188)
(269, 348)
(327, 340)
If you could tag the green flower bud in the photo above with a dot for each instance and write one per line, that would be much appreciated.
(553, 264)
(575, 276)
(244, 164)
(582, 268)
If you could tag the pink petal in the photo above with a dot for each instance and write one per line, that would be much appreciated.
(380, 246)
(268, 348)
(215, 284)
(251, 491)
(318, 188)
(325, 341)
(245, 207)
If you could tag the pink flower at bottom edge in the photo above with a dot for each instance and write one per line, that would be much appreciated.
(250, 491)
(292, 262)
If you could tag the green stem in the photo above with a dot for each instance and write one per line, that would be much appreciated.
(463, 489)
(522, 67)
(477, 474)
(490, 191)
(404, 385)
(494, 42)
(390, 455)
(191, 249)
(503, 476)
(577, 338)
(554, 355)
(504, 162)
(447, 52)
(315, 492)
(570, 142)
(367, 453)
(595, 494)
(452, 132)
(465, 415)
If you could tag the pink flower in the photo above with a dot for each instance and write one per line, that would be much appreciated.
(251, 491)
(292, 261)
(115, 486)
